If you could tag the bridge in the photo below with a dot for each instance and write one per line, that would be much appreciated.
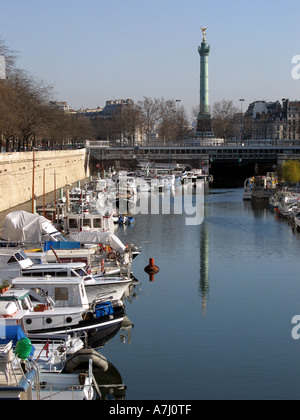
(184, 152)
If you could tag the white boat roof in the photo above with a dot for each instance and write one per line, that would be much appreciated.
(14, 294)
(67, 281)
(10, 251)
(97, 238)
(76, 252)
(57, 266)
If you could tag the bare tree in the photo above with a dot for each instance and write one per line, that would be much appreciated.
(183, 129)
(9, 55)
(131, 120)
(149, 111)
(167, 119)
(223, 119)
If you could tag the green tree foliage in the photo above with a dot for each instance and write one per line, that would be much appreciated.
(291, 171)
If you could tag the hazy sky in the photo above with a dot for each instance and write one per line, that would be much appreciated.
(94, 50)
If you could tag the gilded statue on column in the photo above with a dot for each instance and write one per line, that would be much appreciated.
(204, 34)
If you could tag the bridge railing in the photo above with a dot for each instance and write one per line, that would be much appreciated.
(96, 144)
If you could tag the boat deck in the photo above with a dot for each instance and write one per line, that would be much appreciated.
(13, 377)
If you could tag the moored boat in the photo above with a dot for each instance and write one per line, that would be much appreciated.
(68, 310)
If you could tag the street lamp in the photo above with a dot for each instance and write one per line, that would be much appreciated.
(241, 101)
(177, 117)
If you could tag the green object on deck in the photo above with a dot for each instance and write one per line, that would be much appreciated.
(23, 348)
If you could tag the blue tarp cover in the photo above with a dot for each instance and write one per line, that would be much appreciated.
(12, 333)
(61, 245)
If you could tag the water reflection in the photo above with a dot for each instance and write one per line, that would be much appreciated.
(204, 264)
(110, 383)
(238, 266)
(125, 334)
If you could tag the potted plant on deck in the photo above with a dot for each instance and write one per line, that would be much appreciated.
(4, 286)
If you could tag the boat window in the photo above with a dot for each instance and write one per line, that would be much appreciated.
(61, 293)
(53, 273)
(20, 256)
(61, 274)
(59, 238)
(80, 272)
(73, 224)
(86, 222)
(35, 294)
(97, 223)
(48, 273)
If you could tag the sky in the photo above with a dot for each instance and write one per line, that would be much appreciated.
(92, 51)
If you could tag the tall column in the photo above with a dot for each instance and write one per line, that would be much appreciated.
(2, 67)
(204, 117)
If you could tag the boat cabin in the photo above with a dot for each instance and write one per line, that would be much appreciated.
(56, 270)
(64, 291)
(88, 222)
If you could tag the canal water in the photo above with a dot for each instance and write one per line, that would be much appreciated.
(216, 322)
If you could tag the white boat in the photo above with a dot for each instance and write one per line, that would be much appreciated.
(194, 175)
(109, 243)
(15, 384)
(42, 373)
(103, 253)
(16, 263)
(283, 198)
(288, 210)
(297, 222)
(248, 189)
(88, 222)
(67, 310)
(264, 187)
(23, 381)
(30, 229)
(114, 287)
(51, 354)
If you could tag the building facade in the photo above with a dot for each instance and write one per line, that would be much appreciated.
(272, 121)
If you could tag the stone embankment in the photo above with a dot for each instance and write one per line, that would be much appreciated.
(51, 170)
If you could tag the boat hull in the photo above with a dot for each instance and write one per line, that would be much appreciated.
(60, 325)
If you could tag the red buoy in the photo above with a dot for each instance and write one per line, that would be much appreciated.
(151, 269)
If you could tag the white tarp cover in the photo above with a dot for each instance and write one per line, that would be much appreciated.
(21, 226)
(99, 238)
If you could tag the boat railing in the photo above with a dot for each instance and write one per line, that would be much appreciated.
(89, 386)
(104, 296)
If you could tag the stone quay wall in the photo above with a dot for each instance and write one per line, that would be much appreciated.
(51, 169)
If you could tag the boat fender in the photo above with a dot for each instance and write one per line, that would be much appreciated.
(84, 356)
